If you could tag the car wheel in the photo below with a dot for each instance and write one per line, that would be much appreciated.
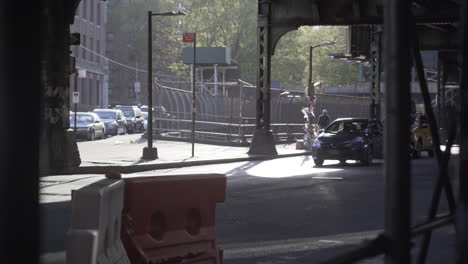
(367, 159)
(318, 162)
(92, 135)
(342, 161)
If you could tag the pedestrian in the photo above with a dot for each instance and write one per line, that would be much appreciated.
(323, 120)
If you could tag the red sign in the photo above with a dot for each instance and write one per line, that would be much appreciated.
(188, 37)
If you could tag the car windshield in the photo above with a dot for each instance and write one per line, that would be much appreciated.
(106, 115)
(128, 112)
(347, 126)
(81, 119)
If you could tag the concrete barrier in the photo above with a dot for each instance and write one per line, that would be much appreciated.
(96, 220)
(171, 219)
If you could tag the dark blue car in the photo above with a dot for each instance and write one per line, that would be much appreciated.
(113, 119)
(349, 139)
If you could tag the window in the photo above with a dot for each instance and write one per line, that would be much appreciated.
(98, 89)
(91, 54)
(110, 36)
(91, 15)
(98, 50)
(90, 90)
(83, 54)
(98, 20)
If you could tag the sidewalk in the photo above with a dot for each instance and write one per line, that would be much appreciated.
(123, 154)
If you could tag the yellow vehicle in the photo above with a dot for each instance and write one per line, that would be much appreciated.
(421, 139)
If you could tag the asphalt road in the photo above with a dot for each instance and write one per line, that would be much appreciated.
(288, 211)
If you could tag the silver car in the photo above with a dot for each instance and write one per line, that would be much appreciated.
(88, 125)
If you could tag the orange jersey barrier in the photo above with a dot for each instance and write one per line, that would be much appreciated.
(171, 219)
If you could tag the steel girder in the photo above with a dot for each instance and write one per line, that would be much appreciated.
(263, 141)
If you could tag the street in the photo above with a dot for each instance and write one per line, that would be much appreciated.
(278, 211)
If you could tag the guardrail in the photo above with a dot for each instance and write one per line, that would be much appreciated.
(235, 133)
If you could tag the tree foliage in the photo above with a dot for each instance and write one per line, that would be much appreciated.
(230, 23)
(290, 65)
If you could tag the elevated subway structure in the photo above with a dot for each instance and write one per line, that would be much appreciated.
(44, 45)
(398, 30)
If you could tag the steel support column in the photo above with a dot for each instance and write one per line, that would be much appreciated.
(375, 59)
(397, 105)
(263, 141)
(461, 220)
(21, 94)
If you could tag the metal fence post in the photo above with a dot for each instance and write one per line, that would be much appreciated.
(397, 102)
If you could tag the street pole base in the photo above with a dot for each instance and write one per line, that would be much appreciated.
(150, 153)
(263, 143)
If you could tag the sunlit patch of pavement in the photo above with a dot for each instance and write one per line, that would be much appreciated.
(58, 188)
(289, 167)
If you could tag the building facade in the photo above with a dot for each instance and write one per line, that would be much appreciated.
(90, 62)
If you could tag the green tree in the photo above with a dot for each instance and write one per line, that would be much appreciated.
(291, 60)
(230, 23)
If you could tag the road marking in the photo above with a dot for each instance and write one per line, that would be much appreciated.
(332, 241)
(327, 178)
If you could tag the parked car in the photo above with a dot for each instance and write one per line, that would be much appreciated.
(114, 120)
(420, 139)
(88, 125)
(144, 108)
(145, 116)
(134, 118)
(349, 139)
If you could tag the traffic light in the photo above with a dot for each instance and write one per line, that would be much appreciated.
(75, 39)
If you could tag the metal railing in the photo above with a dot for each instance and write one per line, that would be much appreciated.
(228, 132)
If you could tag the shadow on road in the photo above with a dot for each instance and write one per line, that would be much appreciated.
(55, 221)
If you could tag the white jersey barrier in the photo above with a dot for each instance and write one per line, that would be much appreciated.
(96, 219)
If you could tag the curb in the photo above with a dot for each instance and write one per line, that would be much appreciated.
(147, 167)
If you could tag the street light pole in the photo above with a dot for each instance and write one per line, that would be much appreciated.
(311, 87)
(150, 152)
